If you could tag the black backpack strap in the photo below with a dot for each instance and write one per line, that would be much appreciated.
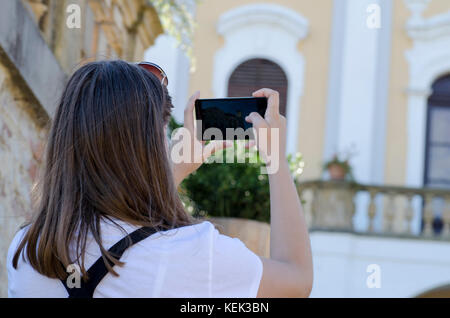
(98, 270)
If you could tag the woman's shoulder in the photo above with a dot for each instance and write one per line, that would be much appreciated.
(233, 268)
(233, 249)
(113, 230)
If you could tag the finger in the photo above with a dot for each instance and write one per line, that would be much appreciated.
(256, 119)
(273, 100)
(189, 112)
(214, 146)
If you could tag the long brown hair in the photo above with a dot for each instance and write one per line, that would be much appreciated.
(106, 157)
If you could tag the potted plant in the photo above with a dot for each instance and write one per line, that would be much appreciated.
(339, 169)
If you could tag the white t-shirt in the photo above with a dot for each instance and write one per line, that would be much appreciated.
(190, 261)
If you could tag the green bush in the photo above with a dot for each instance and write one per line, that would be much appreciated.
(233, 189)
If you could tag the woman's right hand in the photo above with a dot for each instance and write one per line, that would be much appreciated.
(272, 128)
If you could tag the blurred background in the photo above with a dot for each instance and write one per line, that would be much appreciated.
(365, 88)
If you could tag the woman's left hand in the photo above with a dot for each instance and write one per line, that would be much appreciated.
(199, 152)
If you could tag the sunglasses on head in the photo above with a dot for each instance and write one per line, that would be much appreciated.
(155, 70)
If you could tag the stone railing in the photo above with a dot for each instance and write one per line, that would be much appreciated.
(386, 210)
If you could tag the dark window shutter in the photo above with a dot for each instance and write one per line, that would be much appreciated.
(255, 74)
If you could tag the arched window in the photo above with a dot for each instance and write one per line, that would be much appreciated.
(437, 146)
(255, 74)
(437, 152)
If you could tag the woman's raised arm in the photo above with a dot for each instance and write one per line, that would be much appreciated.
(289, 270)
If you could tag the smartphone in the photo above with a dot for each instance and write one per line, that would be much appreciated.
(227, 116)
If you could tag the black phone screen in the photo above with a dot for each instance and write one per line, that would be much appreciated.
(228, 114)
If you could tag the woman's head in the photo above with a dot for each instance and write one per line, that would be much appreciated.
(106, 157)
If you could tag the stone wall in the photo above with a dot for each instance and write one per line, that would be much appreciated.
(21, 140)
(109, 29)
(38, 52)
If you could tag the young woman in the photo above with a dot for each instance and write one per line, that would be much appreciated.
(108, 205)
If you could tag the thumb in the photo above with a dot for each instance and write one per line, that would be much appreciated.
(256, 119)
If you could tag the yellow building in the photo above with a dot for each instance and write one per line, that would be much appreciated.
(353, 75)
(366, 76)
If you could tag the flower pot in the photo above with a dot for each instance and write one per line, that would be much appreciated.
(337, 172)
(254, 234)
